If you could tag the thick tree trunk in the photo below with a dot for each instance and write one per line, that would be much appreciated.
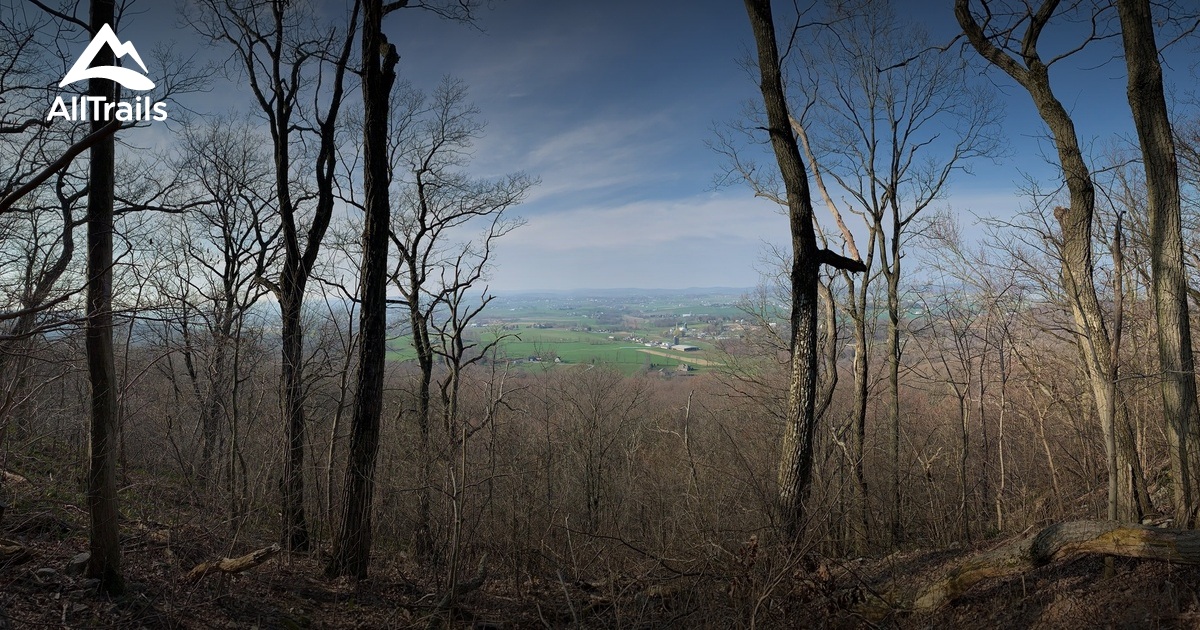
(352, 546)
(105, 562)
(1167, 275)
(105, 544)
(295, 525)
(795, 464)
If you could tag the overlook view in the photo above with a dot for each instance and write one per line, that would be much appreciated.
(526, 314)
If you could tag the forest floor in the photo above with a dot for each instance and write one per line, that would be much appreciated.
(42, 591)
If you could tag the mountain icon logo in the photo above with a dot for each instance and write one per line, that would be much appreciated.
(125, 76)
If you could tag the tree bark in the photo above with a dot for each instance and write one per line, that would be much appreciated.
(893, 402)
(861, 385)
(1167, 274)
(295, 524)
(423, 542)
(352, 546)
(105, 544)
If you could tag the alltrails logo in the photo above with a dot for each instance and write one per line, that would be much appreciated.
(85, 108)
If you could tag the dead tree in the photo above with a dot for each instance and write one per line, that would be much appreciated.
(1057, 541)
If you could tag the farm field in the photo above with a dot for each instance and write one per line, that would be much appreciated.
(572, 347)
(545, 331)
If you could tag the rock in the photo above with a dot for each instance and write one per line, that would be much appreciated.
(45, 574)
(76, 565)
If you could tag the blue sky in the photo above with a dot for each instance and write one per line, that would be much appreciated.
(610, 104)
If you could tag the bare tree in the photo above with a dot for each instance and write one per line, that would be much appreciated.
(352, 545)
(1018, 56)
(41, 188)
(288, 59)
(225, 241)
(947, 338)
(887, 118)
(105, 561)
(435, 265)
(1148, 103)
(795, 465)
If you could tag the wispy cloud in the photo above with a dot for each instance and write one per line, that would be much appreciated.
(702, 240)
(652, 224)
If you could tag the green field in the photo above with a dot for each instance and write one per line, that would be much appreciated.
(571, 348)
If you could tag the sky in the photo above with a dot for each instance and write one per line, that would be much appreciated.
(611, 104)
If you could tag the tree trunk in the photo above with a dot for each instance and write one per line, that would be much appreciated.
(105, 544)
(1167, 275)
(352, 547)
(795, 464)
(861, 385)
(1003, 367)
(211, 411)
(893, 401)
(295, 525)
(964, 418)
(423, 542)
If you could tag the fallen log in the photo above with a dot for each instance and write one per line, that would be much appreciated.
(1057, 541)
(232, 565)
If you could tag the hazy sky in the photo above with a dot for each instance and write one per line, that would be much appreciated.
(610, 104)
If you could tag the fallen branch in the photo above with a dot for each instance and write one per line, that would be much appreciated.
(232, 565)
(1054, 542)
(12, 478)
(12, 552)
